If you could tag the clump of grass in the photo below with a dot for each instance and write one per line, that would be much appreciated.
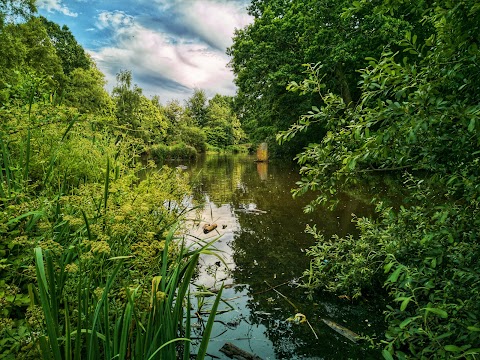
(87, 327)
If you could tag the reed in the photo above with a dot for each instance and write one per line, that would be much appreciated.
(131, 333)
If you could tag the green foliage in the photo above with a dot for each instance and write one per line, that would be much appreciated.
(71, 54)
(81, 209)
(127, 99)
(267, 53)
(194, 137)
(138, 116)
(196, 107)
(116, 321)
(417, 110)
(222, 126)
(84, 90)
(27, 48)
(161, 152)
(107, 278)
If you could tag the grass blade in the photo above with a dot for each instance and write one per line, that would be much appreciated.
(52, 329)
(202, 351)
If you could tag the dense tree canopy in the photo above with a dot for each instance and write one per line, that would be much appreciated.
(268, 54)
(71, 53)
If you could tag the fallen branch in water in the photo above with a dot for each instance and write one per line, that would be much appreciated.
(235, 352)
(349, 334)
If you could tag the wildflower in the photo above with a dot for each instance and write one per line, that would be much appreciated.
(51, 245)
(100, 247)
(71, 268)
(98, 292)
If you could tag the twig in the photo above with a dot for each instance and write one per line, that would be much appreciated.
(294, 306)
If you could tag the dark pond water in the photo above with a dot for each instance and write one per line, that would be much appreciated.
(263, 242)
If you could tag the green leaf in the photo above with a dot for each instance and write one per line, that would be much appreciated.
(452, 348)
(386, 355)
(471, 126)
(394, 277)
(442, 313)
(404, 304)
(407, 321)
(471, 352)
(387, 267)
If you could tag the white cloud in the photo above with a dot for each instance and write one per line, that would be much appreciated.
(115, 20)
(214, 20)
(55, 5)
(165, 65)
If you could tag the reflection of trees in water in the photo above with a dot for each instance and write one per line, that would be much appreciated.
(270, 247)
(219, 177)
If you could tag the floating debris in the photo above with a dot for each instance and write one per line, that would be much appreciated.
(264, 313)
(209, 227)
(298, 318)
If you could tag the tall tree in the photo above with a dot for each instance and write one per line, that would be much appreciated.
(84, 89)
(68, 49)
(127, 98)
(26, 48)
(222, 125)
(267, 55)
(196, 107)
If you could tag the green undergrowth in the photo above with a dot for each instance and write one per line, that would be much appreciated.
(181, 151)
(91, 265)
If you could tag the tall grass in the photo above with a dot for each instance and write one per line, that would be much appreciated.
(160, 332)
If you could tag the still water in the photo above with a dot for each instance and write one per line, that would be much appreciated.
(262, 241)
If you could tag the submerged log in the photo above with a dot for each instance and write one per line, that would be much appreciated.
(209, 227)
(234, 352)
(349, 334)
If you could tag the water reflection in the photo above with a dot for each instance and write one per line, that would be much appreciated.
(263, 242)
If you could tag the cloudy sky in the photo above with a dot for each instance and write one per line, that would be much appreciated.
(171, 46)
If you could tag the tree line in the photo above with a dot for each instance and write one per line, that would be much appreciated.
(40, 53)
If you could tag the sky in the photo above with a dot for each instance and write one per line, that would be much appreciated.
(171, 46)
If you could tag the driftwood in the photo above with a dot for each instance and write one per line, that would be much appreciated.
(209, 227)
(349, 334)
(236, 353)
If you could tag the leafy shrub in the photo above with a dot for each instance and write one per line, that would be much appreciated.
(193, 136)
(161, 152)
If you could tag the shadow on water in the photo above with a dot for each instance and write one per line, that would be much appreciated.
(264, 243)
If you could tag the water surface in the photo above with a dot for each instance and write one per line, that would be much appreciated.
(262, 239)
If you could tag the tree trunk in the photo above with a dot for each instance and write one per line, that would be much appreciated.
(344, 88)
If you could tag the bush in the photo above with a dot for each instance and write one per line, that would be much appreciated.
(194, 136)
(162, 152)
